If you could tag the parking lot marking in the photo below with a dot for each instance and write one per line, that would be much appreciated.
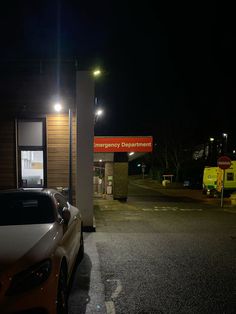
(110, 306)
(191, 209)
(168, 208)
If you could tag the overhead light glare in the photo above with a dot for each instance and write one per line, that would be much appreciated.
(99, 112)
(97, 72)
(58, 107)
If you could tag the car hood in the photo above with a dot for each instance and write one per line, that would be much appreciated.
(18, 241)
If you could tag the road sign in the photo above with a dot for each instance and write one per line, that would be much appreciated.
(224, 162)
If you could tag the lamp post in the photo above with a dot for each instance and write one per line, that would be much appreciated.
(58, 108)
(225, 136)
(211, 139)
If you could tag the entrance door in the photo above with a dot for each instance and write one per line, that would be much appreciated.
(98, 180)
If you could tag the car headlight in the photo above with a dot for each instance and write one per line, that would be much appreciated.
(30, 278)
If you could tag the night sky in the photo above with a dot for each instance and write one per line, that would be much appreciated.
(167, 66)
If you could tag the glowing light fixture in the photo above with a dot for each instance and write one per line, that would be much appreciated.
(131, 153)
(97, 72)
(212, 139)
(99, 112)
(58, 107)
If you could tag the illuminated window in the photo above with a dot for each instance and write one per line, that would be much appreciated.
(32, 173)
(31, 152)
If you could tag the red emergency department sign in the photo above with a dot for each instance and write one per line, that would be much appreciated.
(122, 144)
(224, 162)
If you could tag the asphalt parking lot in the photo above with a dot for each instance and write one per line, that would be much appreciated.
(156, 255)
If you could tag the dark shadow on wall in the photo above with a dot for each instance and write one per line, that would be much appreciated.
(79, 291)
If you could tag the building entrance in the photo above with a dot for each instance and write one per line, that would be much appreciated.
(99, 179)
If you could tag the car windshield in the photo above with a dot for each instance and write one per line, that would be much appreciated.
(25, 208)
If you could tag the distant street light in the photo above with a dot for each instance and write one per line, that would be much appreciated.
(225, 136)
(210, 158)
(97, 72)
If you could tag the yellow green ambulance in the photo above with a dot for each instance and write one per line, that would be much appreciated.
(213, 179)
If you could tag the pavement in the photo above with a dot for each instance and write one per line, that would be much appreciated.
(171, 190)
(89, 290)
(177, 189)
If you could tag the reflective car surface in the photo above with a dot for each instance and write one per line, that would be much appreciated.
(41, 240)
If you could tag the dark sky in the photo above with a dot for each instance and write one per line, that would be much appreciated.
(167, 66)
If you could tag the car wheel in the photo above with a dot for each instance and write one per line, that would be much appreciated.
(62, 306)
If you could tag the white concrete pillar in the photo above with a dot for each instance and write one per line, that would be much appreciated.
(84, 146)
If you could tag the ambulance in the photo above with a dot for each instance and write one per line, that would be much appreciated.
(213, 180)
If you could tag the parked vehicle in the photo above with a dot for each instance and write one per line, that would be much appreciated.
(210, 176)
(40, 241)
(213, 179)
(192, 184)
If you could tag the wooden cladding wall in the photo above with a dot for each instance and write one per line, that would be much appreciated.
(7, 155)
(58, 151)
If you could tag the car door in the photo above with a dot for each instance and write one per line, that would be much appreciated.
(71, 236)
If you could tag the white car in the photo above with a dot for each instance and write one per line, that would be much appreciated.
(41, 240)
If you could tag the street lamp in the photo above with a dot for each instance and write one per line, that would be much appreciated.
(98, 113)
(225, 136)
(97, 72)
(210, 158)
(58, 108)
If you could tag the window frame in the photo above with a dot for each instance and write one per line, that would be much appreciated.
(32, 148)
(230, 176)
(31, 121)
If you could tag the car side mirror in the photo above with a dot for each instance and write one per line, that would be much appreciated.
(66, 215)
